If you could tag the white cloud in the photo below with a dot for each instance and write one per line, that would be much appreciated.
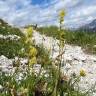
(85, 11)
(22, 12)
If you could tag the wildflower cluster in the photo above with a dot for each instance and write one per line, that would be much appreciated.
(32, 52)
(61, 16)
(62, 34)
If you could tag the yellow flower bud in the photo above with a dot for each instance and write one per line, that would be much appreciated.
(62, 36)
(32, 61)
(23, 90)
(28, 40)
(62, 13)
(29, 32)
(32, 52)
(62, 39)
(82, 73)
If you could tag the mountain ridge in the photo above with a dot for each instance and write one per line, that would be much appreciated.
(90, 27)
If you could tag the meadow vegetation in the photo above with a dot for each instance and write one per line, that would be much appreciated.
(10, 48)
(48, 80)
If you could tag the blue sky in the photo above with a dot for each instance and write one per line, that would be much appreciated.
(40, 2)
(45, 12)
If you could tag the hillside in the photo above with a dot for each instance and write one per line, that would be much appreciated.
(85, 39)
(11, 40)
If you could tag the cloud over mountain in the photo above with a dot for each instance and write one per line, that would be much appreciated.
(45, 12)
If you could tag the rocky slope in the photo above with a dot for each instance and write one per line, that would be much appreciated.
(74, 60)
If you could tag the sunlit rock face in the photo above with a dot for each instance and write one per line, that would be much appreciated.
(5, 64)
(7, 67)
(10, 37)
